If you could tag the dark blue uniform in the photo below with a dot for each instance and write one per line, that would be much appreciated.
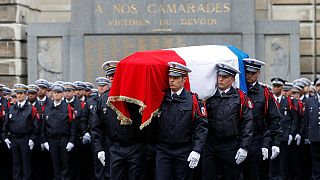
(179, 131)
(6, 160)
(90, 158)
(41, 163)
(266, 130)
(230, 128)
(288, 122)
(312, 124)
(59, 129)
(75, 153)
(21, 124)
(127, 142)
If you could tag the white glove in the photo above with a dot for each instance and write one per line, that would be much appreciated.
(102, 157)
(290, 139)
(275, 152)
(46, 145)
(264, 153)
(31, 144)
(86, 138)
(298, 139)
(306, 141)
(69, 146)
(241, 155)
(8, 142)
(194, 158)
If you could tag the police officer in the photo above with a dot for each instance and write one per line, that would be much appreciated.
(288, 122)
(181, 129)
(20, 130)
(74, 147)
(230, 128)
(266, 118)
(44, 166)
(127, 142)
(110, 67)
(88, 88)
(6, 162)
(6, 92)
(36, 152)
(90, 112)
(103, 149)
(59, 132)
(312, 123)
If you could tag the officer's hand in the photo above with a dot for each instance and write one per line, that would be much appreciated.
(86, 138)
(8, 142)
(307, 141)
(31, 144)
(46, 145)
(241, 155)
(290, 139)
(298, 139)
(193, 158)
(70, 146)
(275, 152)
(102, 157)
(264, 153)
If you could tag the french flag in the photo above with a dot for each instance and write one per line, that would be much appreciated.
(142, 78)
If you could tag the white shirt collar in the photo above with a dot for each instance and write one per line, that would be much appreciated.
(83, 98)
(70, 100)
(301, 98)
(21, 103)
(178, 92)
(43, 99)
(225, 91)
(57, 103)
(280, 97)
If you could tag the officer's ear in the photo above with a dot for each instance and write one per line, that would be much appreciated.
(184, 79)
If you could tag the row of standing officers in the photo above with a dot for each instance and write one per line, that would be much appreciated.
(232, 135)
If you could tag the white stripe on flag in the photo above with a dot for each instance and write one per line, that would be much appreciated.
(202, 61)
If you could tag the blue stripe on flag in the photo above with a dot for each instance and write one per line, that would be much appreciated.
(242, 76)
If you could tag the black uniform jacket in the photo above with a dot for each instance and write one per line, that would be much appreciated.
(266, 120)
(224, 118)
(179, 124)
(312, 119)
(21, 122)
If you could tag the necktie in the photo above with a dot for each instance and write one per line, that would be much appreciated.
(19, 105)
(174, 95)
(223, 94)
(278, 99)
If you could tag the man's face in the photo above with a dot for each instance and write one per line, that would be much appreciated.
(32, 96)
(57, 95)
(21, 96)
(49, 94)
(277, 89)
(296, 94)
(110, 77)
(286, 93)
(318, 88)
(42, 92)
(87, 93)
(102, 89)
(13, 99)
(225, 81)
(252, 77)
(176, 82)
(69, 94)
